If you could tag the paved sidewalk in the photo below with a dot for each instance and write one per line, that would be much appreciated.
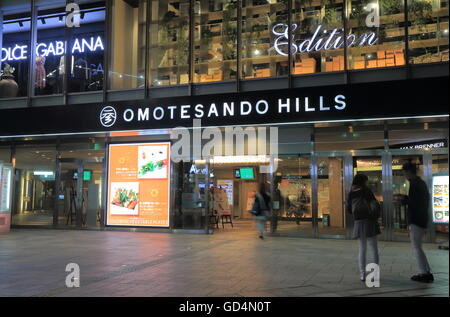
(230, 263)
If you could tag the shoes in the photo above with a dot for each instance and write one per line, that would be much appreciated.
(261, 237)
(362, 276)
(424, 278)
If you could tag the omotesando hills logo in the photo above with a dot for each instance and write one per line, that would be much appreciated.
(108, 116)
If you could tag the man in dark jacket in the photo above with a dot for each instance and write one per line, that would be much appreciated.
(418, 201)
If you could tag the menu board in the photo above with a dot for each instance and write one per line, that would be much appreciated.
(139, 185)
(440, 199)
(227, 185)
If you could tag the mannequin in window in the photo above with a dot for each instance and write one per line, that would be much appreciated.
(79, 75)
(40, 73)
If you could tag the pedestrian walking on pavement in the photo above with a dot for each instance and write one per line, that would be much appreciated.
(418, 201)
(364, 207)
(261, 209)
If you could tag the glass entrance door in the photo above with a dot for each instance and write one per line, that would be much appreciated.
(374, 167)
(292, 196)
(335, 173)
(400, 186)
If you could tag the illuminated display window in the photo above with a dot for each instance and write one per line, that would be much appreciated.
(318, 43)
(215, 40)
(15, 47)
(169, 42)
(128, 45)
(87, 43)
(259, 57)
(212, 41)
(428, 31)
(385, 19)
(50, 50)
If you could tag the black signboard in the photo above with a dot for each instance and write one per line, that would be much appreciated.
(381, 100)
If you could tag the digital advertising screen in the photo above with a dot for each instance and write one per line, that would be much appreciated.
(139, 185)
(440, 198)
(247, 173)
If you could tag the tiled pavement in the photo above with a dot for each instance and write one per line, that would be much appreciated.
(232, 263)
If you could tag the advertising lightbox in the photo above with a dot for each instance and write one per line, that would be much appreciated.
(440, 199)
(139, 185)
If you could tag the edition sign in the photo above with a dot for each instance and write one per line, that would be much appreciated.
(321, 39)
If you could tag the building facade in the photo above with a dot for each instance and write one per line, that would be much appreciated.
(108, 110)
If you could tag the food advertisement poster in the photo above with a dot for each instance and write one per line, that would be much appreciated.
(440, 199)
(139, 185)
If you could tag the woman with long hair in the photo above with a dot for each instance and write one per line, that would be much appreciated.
(364, 207)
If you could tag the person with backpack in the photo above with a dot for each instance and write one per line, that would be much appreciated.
(418, 202)
(261, 209)
(364, 207)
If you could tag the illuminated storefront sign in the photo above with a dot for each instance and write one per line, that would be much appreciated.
(56, 48)
(334, 103)
(322, 39)
(139, 185)
(440, 198)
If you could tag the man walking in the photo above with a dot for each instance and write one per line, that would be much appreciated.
(418, 200)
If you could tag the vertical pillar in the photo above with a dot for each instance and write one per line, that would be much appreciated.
(314, 196)
(428, 177)
(32, 53)
(79, 194)
(348, 179)
(387, 212)
(1, 36)
(57, 185)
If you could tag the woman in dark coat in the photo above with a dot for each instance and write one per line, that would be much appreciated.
(364, 207)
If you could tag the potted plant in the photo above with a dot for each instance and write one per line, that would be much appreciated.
(8, 86)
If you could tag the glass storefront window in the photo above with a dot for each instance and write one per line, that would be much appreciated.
(349, 137)
(34, 186)
(215, 40)
(190, 181)
(128, 44)
(331, 196)
(50, 50)
(5, 154)
(259, 58)
(380, 24)
(428, 31)
(418, 136)
(15, 52)
(169, 42)
(317, 44)
(292, 196)
(86, 66)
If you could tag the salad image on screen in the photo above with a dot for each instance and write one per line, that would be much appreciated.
(124, 198)
(152, 162)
